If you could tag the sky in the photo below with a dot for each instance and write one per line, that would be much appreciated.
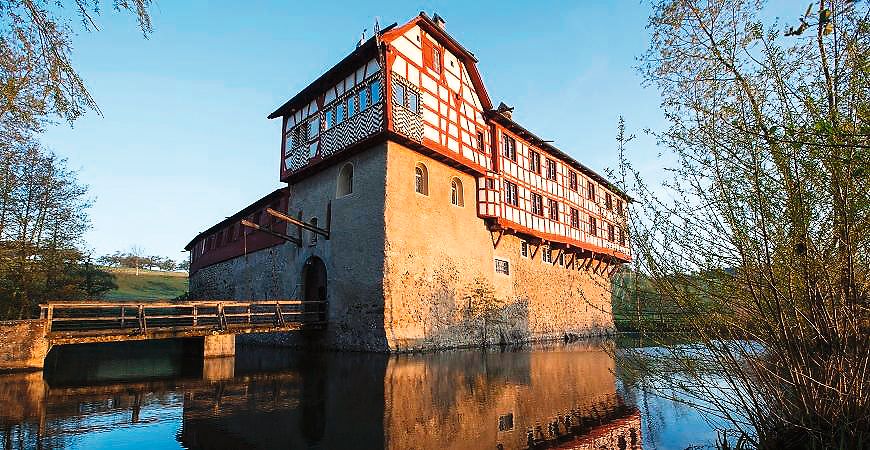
(183, 140)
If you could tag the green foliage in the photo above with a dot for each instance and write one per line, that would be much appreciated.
(37, 78)
(148, 285)
(760, 233)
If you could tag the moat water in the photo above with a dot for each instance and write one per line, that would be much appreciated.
(161, 395)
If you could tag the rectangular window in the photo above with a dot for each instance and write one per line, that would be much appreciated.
(436, 59)
(506, 422)
(546, 256)
(339, 113)
(399, 94)
(535, 162)
(351, 106)
(413, 101)
(363, 99)
(572, 181)
(329, 118)
(590, 192)
(621, 237)
(502, 266)
(553, 206)
(537, 204)
(619, 209)
(313, 128)
(375, 92)
(511, 196)
(575, 218)
(593, 226)
(608, 201)
(551, 169)
(524, 249)
(509, 147)
(611, 233)
(489, 183)
(480, 142)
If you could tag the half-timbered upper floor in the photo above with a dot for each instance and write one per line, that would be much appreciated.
(417, 85)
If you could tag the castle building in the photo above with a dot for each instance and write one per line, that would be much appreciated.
(423, 215)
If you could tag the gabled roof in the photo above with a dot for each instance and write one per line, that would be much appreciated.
(519, 130)
(368, 50)
(338, 72)
(468, 58)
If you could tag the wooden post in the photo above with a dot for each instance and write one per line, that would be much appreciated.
(279, 315)
(141, 315)
(195, 318)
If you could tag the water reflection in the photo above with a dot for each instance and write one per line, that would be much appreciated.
(139, 395)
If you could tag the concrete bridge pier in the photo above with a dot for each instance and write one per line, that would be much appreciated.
(219, 345)
(219, 357)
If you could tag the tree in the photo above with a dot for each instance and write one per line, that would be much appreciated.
(482, 304)
(761, 235)
(37, 78)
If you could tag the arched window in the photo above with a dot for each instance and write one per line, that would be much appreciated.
(421, 179)
(456, 192)
(345, 181)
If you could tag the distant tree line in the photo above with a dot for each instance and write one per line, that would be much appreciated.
(135, 259)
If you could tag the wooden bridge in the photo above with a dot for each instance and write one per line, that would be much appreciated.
(85, 322)
(216, 321)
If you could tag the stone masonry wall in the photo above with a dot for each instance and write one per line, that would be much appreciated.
(23, 346)
(353, 257)
(440, 285)
(407, 271)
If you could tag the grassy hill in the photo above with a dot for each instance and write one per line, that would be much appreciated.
(148, 285)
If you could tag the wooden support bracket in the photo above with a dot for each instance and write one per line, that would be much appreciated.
(307, 226)
(292, 239)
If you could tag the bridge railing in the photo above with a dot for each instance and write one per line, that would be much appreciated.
(129, 317)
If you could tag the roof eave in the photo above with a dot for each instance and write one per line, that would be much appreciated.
(534, 139)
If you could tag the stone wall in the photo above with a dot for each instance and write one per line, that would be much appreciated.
(441, 288)
(23, 346)
(353, 257)
(407, 271)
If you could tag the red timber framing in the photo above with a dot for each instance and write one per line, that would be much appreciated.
(449, 93)
(432, 99)
(523, 218)
(229, 239)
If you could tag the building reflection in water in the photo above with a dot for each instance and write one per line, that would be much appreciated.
(558, 397)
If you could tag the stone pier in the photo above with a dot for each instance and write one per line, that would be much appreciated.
(219, 345)
(23, 345)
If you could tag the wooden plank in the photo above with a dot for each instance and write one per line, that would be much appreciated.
(250, 224)
(299, 223)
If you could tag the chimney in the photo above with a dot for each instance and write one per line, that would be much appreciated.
(505, 110)
(439, 21)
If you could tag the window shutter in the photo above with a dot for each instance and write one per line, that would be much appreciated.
(427, 54)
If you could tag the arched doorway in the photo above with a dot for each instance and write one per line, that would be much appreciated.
(314, 280)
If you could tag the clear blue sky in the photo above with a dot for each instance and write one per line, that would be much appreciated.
(184, 140)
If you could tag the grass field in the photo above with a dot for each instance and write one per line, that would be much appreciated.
(149, 285)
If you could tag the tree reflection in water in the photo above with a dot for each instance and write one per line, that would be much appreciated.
(541, 397)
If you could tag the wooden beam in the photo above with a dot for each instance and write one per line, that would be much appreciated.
(299, 223)
(249, 224)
